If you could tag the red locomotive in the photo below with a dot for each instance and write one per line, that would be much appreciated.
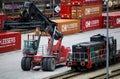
(86, 55)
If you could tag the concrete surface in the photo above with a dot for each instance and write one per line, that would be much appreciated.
(10, 62)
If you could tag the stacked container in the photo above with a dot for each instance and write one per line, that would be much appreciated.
(114, 19)
(68, 26)
(9, 41)
(2, 19)
(89, 12)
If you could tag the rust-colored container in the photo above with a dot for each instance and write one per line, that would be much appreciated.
(85, 2)
(10, 41)
(114, 20)
(73, 12)
(91, 23)
(81, 11)
(68, 26)
(89, 11)
(2, 19)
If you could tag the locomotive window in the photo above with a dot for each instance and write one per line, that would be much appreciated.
(82, 55)
(86, 56)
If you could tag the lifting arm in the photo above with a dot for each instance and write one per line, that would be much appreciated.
(32, 17)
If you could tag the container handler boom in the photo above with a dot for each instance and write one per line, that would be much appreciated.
(32, 17)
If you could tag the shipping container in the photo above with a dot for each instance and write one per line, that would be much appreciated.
(10, 41)
(114, 20)
(73, 12)
(68, 26)
(91, 23)
(80, 11)
(80, 2)
(85, 2)
(65, 2)
(65, 11)
(2, 19)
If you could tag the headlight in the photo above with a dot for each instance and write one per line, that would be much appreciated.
(86, 60)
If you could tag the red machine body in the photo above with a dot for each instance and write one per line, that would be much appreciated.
(47, 61)
(60, 53)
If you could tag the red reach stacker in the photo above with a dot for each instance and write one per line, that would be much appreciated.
(54, 55)
(32, 17)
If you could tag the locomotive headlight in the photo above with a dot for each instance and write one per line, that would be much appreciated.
(86, 60)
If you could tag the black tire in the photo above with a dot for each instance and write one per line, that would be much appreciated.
(44, 64)
(26, 63)
(51, 64)
(23, 63)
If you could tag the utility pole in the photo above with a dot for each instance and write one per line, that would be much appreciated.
(12, 8)
(53, 7)
(0, 4)
(107, 43)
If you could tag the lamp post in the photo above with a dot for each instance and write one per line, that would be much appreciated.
(107, 43)
(12, 8)
(53, 2)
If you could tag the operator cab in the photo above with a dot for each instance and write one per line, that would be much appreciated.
(26, 4)
(31, 45)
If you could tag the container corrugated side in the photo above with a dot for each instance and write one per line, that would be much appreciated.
(91, 11)
(114, 20)
(91, 23)
(68, 26)
(2, 19)
(10, 41)
(85, 2)
(75, 12)
(65, 2)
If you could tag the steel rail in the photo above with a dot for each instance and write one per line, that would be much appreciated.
(114, 73)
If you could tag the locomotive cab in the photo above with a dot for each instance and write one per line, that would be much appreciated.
(85, 54)
(112, 43)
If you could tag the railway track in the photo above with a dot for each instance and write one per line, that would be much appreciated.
(113, 74)
(74, 75)
(65, 75)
